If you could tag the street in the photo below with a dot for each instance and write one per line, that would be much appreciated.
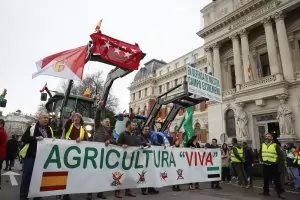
(10, 191)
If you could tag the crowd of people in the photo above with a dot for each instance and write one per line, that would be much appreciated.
(279, 164)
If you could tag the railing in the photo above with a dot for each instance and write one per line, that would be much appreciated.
(255, 83)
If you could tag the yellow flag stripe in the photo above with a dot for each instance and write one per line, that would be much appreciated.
(54, 181)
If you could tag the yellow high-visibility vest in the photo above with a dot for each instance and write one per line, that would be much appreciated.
(23, 151)
(81, 135)
(240, 151)
(297, 160)
(269, 153)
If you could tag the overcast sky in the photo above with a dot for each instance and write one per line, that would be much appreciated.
(33, 29)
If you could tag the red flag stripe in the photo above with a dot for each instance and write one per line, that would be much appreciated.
(52, 188)
(55, 174)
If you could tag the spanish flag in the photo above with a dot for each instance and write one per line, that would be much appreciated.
(52, 181)
(97, 29)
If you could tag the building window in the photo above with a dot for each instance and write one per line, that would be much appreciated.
(168, 86)
(160, 89)
(176, 65)
(168, 69)
(140, 94)
(184, 78)
(146, 92)
(186, 61)
(133, 96)
(205, 69)
(160, 72)
(195, 56)
(265, 66)
(232, 76)
(175, 82)
(230, 123)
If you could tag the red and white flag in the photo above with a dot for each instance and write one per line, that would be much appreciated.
(116, 52)
(68, 64)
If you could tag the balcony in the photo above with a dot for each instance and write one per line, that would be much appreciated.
(254, 85)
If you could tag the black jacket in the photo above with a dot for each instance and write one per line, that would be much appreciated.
(12, 148)
(147, 139)
(31, 140)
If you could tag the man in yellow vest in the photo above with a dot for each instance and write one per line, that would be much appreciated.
(271, 156)
(34, 133)
(237, 162)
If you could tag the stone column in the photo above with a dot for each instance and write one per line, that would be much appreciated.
(209, 56)
(285, 51)
(237, 61)
(271, 45)
(217, 62)
(245, 54)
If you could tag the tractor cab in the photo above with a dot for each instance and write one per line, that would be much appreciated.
(121, 119)
(76, 103)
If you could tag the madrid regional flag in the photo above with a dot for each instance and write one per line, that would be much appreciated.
(68, 64)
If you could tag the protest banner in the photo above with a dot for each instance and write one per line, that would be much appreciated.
(67, 167)
(203, 85)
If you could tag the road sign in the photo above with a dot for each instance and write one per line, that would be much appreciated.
(12, 177)
(204, 85)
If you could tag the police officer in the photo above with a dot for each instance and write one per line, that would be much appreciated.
(271, 156)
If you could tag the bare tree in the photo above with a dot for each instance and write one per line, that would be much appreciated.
(41, 108)
(95, 82)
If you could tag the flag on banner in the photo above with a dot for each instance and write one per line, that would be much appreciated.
(209, 69)
(54, 181)
(44, 88)
(116, 52)
(98, 27)
(68, 64)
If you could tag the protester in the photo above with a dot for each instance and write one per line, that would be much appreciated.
(12, 149)
(3, 140)
(225, 163)
(74, 130)
(193, 143)
(292, 165)
(214, 145)
(270, 156)
(125, 140)
(177, 144)
(248, 163)
(103, 134)
(34, 133)
(147, 141)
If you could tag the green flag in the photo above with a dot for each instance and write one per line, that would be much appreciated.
(187, 123)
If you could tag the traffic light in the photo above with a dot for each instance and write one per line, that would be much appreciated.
(2, 102)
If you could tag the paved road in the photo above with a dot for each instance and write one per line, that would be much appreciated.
(229, 192)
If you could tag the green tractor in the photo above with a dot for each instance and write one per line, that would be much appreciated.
(76, 103)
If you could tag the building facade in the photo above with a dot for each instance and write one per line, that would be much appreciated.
(16, 123)
(253, 47)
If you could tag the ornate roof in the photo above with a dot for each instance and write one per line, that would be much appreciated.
(149, 68)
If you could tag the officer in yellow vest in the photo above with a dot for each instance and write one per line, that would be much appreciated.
(36, 132)
(237, 161)
(271, 156)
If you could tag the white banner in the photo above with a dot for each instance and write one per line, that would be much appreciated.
(67, 167)
(203, 85)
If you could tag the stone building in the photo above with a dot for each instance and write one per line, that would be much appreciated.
(16, 123)
(253, 47)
